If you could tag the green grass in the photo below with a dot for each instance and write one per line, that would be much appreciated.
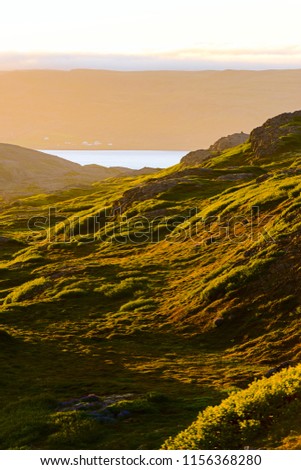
(27, 291)
(98, 309)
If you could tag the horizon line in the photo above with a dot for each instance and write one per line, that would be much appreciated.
(190, 70)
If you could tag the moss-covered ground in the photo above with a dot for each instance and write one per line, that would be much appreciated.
(167, 301)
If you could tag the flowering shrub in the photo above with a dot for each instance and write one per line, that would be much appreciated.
(244, 416)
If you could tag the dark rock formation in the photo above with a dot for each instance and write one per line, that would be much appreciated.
(228, 142)
(276, 134)
(219, 321)
(274, 370)
(234, 176)
(152, 188)
(198, 156)
(97, 408)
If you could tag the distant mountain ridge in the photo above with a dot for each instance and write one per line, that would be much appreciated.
(157, 110)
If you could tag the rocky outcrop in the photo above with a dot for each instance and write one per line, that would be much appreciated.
(234, 176)
(97, 408)
(144, 192)
(276, 134)
(196, 157)
(154, 187)
(274, 370)
(228, 142)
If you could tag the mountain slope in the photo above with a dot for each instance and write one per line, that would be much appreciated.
(162, 293)
(25, 171)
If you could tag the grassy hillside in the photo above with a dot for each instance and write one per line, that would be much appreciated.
(130, 307)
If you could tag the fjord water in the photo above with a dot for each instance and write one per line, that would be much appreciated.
(134, 159)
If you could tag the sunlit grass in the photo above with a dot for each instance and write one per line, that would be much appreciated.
(187, 315)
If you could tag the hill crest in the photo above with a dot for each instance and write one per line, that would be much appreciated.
(25, 171)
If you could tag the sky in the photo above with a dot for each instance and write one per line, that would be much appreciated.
(150, 34)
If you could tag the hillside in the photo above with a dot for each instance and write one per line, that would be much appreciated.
(129, 308)
(196, 157)
(97, 109)
(25, 171)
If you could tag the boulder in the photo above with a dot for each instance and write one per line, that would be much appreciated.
(278, 368)
(234, 176)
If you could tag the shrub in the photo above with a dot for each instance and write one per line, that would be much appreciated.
(244, 416)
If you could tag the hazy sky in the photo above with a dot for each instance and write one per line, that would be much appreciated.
(150, 34)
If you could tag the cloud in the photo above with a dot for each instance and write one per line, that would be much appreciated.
(287, 51)
(198, 58)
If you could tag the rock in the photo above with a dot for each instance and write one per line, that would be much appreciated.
(90, 398)
(197, 157)
(270, 372)
(219, 321)
(250, 252)
(274, 370)
(142, 193)
(270, 138)
(85, 406)
(97, 408)
(284, 365)
(124, 414)
(115, 398)
(228, 142)
(154, 187)
(103, 417)
(64, 404)
(234, 176)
